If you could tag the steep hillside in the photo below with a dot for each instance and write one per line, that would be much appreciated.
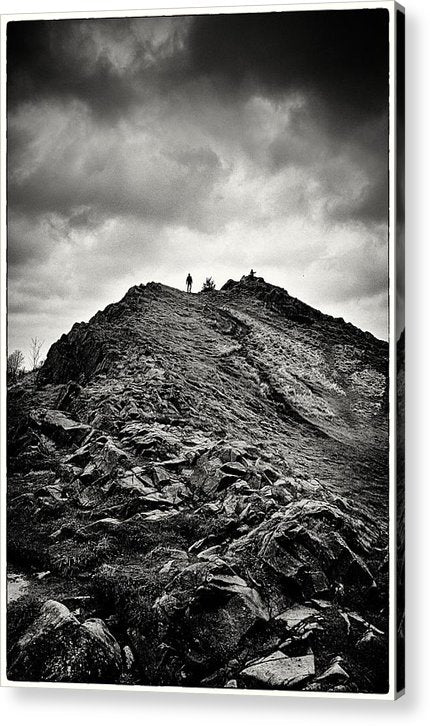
(208, 475)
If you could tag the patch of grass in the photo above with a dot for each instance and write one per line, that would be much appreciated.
(71, 558)
(128, 591)
(179, 531)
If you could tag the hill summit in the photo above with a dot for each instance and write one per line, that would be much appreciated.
(205, 479)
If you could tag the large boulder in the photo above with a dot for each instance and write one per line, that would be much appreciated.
(211, 611)
(111, 457)
(279, 671)
(61, 428)
(220, 467)
(154, 443)
(57, 647)
(297, 614)
(102, 460)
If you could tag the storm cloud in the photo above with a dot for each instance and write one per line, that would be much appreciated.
(142, 148)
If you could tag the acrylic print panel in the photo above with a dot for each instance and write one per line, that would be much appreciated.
(201, 339)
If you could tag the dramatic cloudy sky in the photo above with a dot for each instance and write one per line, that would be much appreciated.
(141, 149)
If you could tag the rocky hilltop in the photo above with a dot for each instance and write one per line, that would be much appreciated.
(198, 496)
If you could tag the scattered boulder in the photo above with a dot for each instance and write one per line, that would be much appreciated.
(155, 444)
(105, 525)
(61, 428)
(80, 457)
(135, 485)
(218, 469)
(89, 473)
(315, 584)
(334, 675)
(206, 475)
(235, 468)
(54, 492)
(110, 459)
(160, 476)
(232, 683)
(212, 610)
(174, 464)
(128, 657)
(370, 643)
(298, 614)
(283, 549)
(222, 612)
(279, 671)
(57, 647)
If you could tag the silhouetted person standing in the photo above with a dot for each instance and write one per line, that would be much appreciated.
(252, 274)
(189, 282)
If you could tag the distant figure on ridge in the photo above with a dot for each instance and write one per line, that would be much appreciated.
(252, 274)
(189, 282)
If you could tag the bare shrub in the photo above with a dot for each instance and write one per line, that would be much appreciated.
(35, 349)
(15, 366)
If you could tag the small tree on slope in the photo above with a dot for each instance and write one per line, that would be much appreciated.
(15, 363)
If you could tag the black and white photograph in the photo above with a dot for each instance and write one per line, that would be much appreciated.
(204, 366)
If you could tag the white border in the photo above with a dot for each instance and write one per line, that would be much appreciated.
(392, 7)
(213, 10)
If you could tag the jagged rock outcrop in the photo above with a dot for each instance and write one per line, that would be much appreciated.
(209, 473)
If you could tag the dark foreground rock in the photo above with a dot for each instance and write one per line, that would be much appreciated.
(57, 647)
